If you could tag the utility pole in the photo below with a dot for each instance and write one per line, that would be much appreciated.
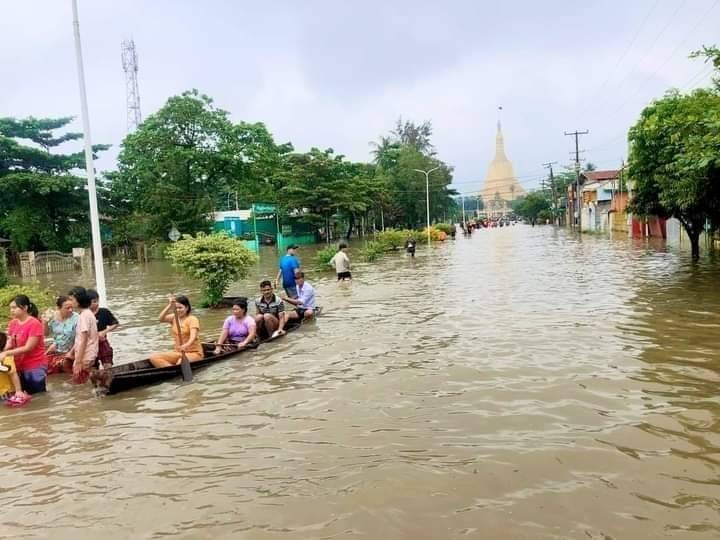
(549, 165)
(89, 166)
(462, 198)
(577, 205)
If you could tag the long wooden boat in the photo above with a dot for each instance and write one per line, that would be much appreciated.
(143, 373)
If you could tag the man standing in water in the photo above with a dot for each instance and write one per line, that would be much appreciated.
(289, 263)
(410, 246)
(341, 262)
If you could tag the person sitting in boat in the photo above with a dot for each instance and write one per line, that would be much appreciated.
(106, 323)
(305, 301)
(269, 312)
(189, 340)
(61, 330)
(239, 329)
(25, 345)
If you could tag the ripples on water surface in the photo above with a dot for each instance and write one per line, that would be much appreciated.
(518, 384)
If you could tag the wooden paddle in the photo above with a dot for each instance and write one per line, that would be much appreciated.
(184, 363)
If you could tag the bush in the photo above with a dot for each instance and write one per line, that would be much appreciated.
(436, 235)
(393, 239)
(324, 255)
(42, 298)
(373, 250)
(216, 260)
(447, 228)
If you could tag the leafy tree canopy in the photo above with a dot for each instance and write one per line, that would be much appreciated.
(44, 206)
(675, 160)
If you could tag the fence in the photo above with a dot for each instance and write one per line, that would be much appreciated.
(48, 262)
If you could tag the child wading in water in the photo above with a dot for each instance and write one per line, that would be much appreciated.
(9, 380)
(341, 262)
(86, 337)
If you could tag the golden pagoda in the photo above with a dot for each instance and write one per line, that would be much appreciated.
(500, 187)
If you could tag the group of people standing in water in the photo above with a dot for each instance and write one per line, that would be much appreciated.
(77, 334)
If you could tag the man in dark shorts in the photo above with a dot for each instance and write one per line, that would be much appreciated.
(341, 262)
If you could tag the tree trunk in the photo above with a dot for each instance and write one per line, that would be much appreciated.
(694, 242)
(351, 224)
(693, 230)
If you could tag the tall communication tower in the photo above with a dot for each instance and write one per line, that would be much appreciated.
(130, 67)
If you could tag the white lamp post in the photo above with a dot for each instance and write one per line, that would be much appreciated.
(427, 196)
(89, 167)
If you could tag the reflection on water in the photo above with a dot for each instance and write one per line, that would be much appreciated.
(522, 383)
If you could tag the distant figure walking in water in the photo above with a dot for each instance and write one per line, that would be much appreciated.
(410, 244)
(341, 262)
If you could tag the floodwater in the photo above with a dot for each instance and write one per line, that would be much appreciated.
(522, 383)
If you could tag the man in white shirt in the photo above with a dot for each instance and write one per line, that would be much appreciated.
(305, 301)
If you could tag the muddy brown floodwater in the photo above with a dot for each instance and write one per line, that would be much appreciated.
(518, 384)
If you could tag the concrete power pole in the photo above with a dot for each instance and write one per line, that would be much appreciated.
(578, 207)
(549, 165)
(132, 91)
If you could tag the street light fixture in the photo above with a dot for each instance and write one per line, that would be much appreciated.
(427, 196)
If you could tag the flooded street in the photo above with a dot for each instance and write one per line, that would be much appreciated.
(522, 383)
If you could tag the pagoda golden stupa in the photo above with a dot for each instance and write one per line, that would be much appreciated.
(500, 187)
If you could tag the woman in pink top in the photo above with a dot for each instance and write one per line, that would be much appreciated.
(86, 336)
(25, 344)
(239, 329)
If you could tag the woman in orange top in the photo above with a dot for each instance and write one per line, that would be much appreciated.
(188, 342)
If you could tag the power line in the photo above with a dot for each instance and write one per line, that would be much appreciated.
(620, 84)
(624, 55)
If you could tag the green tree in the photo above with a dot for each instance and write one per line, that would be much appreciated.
(408, 133)
(216, 260)
(175, 167)
(313, 183)
(532, 206)
(675, 160)
(255, 163)
(43, 206)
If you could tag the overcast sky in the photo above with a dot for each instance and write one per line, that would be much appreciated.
(339, 73)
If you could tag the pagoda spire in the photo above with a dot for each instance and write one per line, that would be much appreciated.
(499, 144)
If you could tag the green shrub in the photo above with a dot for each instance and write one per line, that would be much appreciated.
(42, 298)
(392, 238)
(325, 254)
(447, 228)
(215, 259)
(372, 251)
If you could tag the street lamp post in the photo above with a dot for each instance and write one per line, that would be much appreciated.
(427, 196)
(89, 167)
